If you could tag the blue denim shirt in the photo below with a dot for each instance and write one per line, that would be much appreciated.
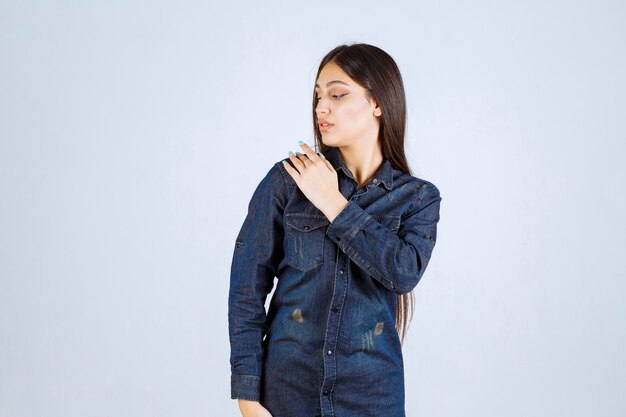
(328, 344)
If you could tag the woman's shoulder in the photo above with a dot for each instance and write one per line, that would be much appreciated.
(416, 184)
(277, 180)
(416, 194)
(272, 189)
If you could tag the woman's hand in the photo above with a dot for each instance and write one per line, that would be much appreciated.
(252, 409)
(317, 179)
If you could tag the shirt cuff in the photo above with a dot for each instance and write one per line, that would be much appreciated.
(245, 387)
(347, 224)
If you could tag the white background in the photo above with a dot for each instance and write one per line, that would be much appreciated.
(132, 134)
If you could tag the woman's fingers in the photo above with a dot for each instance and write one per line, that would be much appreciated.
(328, 164)
(297, 162)
(310, 153)
(291, 170)
(302, 161)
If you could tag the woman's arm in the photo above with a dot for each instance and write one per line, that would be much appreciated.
(252, 409)
(397, 260)
(258, 250)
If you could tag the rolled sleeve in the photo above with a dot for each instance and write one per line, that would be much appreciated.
(245, 387)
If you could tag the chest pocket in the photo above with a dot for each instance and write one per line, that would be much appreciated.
(304, 240)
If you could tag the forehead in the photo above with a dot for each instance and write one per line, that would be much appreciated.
(332, 73)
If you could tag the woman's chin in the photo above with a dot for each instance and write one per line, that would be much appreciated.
(330, 140)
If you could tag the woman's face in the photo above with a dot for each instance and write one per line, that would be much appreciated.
(344, 104)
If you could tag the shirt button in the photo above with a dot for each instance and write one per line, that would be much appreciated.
(330, 352)
(325, 392)
(335, 309)
(306, 227)
(341, 271)
(375, 181)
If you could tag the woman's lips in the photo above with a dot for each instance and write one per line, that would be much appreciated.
(325, 126)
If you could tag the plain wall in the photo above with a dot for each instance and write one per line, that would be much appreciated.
(132, 134)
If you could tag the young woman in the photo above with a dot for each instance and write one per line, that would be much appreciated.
(348, 233)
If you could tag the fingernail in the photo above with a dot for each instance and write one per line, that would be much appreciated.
(322, 155)
(284, 162)
(300, 142)
(298, 153)
(290, 153)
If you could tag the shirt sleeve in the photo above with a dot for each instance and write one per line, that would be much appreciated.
(396, 259)
(258, 251)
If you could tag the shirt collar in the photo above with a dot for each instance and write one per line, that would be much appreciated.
(384, 174)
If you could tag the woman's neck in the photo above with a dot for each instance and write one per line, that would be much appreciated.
(362, 161)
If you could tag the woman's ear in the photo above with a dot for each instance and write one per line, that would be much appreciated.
(377, 110)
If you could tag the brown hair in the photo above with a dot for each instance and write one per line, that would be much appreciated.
(377, 72)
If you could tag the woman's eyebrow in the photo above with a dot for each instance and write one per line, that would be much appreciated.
(328, 84)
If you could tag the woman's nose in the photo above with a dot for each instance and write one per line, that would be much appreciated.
(321, 108)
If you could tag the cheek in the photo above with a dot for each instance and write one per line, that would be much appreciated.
(359, 114)
(352, 111)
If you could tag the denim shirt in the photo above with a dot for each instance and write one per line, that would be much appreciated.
(328, 344)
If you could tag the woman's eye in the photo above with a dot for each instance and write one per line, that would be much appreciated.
(335, 96)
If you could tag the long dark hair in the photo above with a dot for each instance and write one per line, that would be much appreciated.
(377, 72)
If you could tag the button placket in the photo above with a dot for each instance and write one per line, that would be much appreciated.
(340, 277)
(332, 332)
